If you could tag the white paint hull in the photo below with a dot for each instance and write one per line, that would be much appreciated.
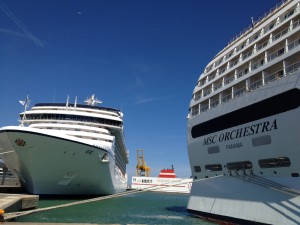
(52, 164)
(229, 198)
(172, 185)
(249, 194)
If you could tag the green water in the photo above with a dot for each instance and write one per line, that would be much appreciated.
(140, 208)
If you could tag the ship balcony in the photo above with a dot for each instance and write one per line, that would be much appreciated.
(261, 62)
(254, 82)
(263, 39)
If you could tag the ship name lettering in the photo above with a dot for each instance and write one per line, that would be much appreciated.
(210, 140)
(248, 131)
(242, 132)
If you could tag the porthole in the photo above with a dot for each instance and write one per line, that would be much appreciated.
(197, 169)
(274, 162)
(213, 167)
(242, 165)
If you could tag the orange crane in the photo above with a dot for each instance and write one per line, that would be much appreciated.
(141, 169)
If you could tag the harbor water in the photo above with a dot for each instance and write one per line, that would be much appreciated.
(139, 208)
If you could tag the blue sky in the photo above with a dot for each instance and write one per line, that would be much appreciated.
(141, 56)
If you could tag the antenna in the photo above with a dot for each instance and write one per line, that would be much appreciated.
(92, 100)
(75, 104)
(67, 104)
(252, 22)
(26, 103)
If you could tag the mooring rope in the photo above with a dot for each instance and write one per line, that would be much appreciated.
(12, 215)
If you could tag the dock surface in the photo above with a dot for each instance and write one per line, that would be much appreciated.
(18, 202)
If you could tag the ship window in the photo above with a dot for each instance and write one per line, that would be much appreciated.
(197, 169)
(263, 140)
(213, 167)
(256, 36)
(242, 46)
(213, 149)
(295, 174)
(274, 162)
(242, 165)
(280, 52)
(289, 14)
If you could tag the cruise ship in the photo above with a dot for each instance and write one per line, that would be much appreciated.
(243, 126)
(67, 149)
(167, 181)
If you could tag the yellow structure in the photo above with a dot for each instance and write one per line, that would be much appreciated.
(141, 169)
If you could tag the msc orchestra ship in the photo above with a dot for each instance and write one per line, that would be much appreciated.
(244, 125)
(68, 149)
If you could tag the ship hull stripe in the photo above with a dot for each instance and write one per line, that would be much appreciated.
(55, 137)
(269, 107)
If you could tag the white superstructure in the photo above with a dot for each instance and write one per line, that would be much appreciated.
(165, 182)
(243, 125)
(69, 149)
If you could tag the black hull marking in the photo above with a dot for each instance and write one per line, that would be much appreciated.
(269, 107)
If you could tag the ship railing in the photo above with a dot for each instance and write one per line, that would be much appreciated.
(226, 98)
(242, 73)
(233, 63)
(222, 70)
(275, 54)
(293, 68)
(256, 85)
(263, 45)
(289, 70)
(214, 104)
(293, 45)
(197, 97)
(247, 55)
(229, 80)
(296, 24)
(217, 86)
(195, 112)
(207, 92)
(211, 77)
(280, 34)
(239, 92)
(270, 11)
(204, 108)
(258, 64)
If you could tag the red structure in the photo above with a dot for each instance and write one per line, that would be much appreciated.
(167, 173)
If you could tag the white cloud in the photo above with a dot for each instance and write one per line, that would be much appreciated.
(11, 32)
(27, 32)
(142, 100)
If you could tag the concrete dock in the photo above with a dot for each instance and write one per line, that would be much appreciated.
(18, 202)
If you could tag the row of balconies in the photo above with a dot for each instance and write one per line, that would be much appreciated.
(243, 87)
(236, 74)
(257, 47)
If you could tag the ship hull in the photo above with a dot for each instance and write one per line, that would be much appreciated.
(51, 164)
(229, 200)
(260, 126)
